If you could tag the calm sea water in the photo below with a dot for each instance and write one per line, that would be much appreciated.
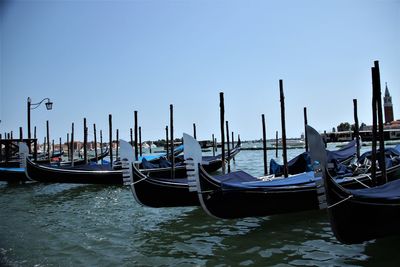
(90, 225)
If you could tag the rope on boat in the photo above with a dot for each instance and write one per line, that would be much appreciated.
(144, 178)
(339, 202)
(366, 175)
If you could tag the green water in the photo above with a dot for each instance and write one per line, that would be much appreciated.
(88, 225)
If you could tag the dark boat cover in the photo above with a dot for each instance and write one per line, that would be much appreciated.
(344, 153)
(163, 163)
(389, 152)
(388, 191)
(299, 164)
(241, 180)
(302, 163)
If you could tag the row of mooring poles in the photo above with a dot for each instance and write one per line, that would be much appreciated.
(283, 125)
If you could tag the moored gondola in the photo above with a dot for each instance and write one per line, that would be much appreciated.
(210, 163)
(358, 215)
(155, 192)
(84, 174)
(302, 162)
(238, 194)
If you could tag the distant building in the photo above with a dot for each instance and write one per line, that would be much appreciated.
(388, 106)
(391, 128)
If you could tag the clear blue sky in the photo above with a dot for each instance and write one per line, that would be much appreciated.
(93, 58)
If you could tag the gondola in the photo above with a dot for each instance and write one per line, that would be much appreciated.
(165, 192)
(83, 174)
(13, 174)
(155, 192)
(238, 194)
(163, 168)
(77, 162)
(302, 162)
(358, 215)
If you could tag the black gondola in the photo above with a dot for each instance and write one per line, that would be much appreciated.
(155, 192)
(166, 192)
(84, 174)
(362, 214)
(238, 194)
(210, 163)
(302, 162)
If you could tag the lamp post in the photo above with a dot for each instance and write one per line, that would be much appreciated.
(30, 105)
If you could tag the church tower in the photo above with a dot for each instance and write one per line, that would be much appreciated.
(387, 103)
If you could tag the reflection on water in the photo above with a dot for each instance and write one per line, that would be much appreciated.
(92, 225)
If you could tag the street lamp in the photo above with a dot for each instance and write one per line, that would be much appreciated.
(49, 106)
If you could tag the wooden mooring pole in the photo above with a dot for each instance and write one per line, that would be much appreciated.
(167, 141)
(356, 127)
(110, 138)
(374, 130)
(382, 163)
(101, 145)
(171, 125)
(48, 139)
(213, 145)
(72, 144)
(140, 141)
(264, 144)
(136, 135)
(222, 120)
(85, 133)
(276, 144)
(117, 145)
(95, 142)
(305, 129)
(284, 148)
(229, 149)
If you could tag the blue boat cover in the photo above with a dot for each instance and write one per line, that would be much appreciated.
(177, 150)
(12, 169)
(388, 191)
(302, 163)
(299, 164)
(344, 153)
(241, 180)
(388, 152)
(162, 163)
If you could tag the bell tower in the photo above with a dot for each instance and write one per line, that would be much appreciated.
(388, 106)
